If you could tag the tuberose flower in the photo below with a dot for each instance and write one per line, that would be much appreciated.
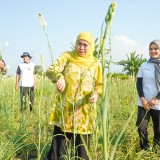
(42, 21)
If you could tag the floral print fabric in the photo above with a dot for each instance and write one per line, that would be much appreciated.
(72, 111)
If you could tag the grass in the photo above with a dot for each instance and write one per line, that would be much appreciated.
(34, 139)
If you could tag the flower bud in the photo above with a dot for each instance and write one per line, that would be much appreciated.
(110, 13)
(42, 21)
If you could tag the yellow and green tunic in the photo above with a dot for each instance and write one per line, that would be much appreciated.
(72, 111)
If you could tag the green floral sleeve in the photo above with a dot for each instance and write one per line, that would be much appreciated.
(55, 71)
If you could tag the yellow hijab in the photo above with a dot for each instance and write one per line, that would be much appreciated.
(88, 60)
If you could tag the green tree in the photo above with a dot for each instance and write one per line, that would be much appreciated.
(132, 64)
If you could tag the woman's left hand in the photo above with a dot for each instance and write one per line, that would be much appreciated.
(153, 102)
(93, 98)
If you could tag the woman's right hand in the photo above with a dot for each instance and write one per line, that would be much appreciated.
(145, 104)
(61, 84)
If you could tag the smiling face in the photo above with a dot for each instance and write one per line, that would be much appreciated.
(82, 47)
(154, 51)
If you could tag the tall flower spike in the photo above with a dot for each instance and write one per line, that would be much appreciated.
(42, 63)
(110, 13)
(43, 24)
(42, 21)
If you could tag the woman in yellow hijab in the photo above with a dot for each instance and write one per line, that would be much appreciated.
(78, 79)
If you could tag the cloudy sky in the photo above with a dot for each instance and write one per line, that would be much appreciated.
(135, 24)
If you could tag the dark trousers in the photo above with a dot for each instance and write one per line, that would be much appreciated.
(24, 91)
(63, 145)
(142, 124)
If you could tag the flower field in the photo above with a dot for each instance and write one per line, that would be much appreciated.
(27, 135)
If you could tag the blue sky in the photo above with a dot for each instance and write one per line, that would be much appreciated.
(135, 24)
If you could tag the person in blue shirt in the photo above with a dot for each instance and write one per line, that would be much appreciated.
(148, 87)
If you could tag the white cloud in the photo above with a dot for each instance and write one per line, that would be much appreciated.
(125, 40)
